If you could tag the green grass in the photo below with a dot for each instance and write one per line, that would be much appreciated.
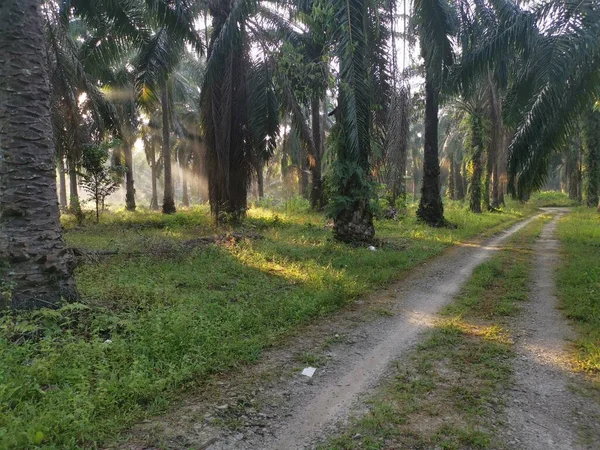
(551, 199)
(446, 394)
(579, 283)
(160, 317)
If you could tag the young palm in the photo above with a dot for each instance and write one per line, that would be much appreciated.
(352, 214)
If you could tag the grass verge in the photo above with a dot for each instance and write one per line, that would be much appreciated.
(160, 320)
(447, 393)
(579, 284)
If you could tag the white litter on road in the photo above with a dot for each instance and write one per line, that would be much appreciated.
(309, 372)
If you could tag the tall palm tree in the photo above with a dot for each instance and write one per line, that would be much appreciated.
(151, 138)
(436, 23)
(31, 244)
(232, 84)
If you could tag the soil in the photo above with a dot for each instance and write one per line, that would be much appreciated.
(550, 406)
(271, 405)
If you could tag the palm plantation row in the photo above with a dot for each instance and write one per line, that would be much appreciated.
(215, 85)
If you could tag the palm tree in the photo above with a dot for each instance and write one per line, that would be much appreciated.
(168, 206)
(239, 111)
(151, 139)
(572, 166)
(351, 209)
(69, 80)
(475, 106)
(303, 76)
(591, 139)
(436, 23)
(156, 32)
(31, 245)
(556, 79)
(453, 150)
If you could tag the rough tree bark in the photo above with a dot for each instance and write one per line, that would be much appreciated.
(36, 267)
(169, 197)
(431, 209)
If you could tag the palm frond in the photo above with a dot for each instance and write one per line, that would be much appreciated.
(263, 110)
(350, 19)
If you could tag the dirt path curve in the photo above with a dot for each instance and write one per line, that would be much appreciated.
(544, 411)
(312, 410)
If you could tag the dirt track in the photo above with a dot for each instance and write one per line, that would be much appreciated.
(271, 406)
(545, 412)
(313, 410)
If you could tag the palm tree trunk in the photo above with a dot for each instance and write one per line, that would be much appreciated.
(487, 181)
(74, 204)
(495, 184)
(62, 184)
(260, 180)
(34, 262)
(154, 177)
(477, 149)
(303, 178)
(415, 173)
(451, 191)
(168, 198)
(129, 187)
(353, 220)
(591, 133)
(571, 167)
(431, 209)
(496, 140)
(458, 182)
(503, 165)
(316, 193)
(185, 198)
(580, 152)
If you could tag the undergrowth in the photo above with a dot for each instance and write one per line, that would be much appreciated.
(151, 324)
(579, 283)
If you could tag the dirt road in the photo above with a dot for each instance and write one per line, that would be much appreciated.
(313, 410)
(546, 411)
